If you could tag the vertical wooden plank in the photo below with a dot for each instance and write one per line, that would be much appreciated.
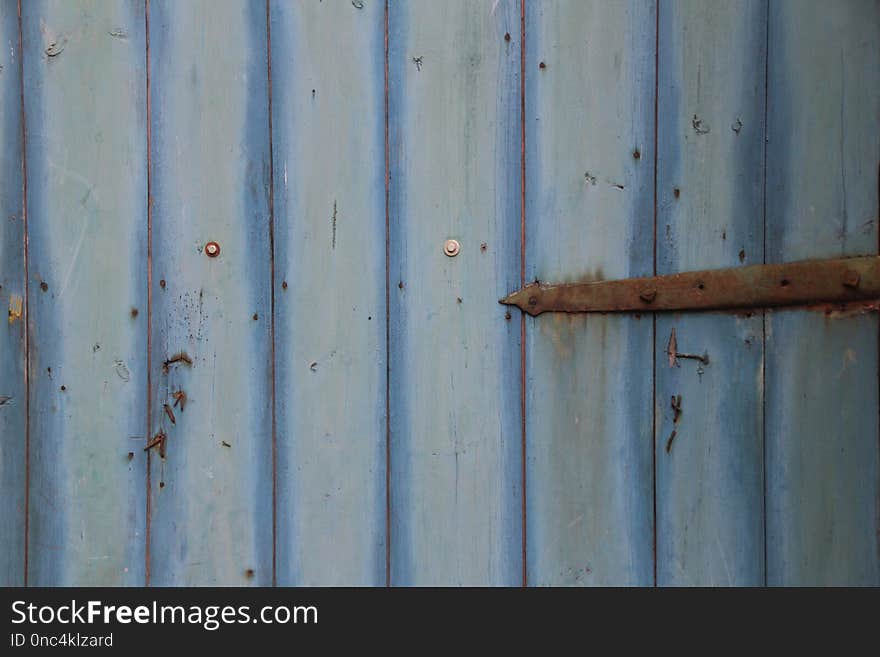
(823, 149)
(329, 155)
(13, 393)
(710, 181)
(454, 84)
(211, 495)
(85, 109)
(590, 86)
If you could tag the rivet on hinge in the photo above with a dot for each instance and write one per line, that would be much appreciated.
(851, 278)
(648, 295)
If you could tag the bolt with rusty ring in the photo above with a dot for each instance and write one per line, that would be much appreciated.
(648, 295)
(451, 248)
(212, 249)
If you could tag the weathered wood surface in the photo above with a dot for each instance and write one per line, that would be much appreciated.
(85, 112)
(589, 205)
(710, 175)
(392, 432)
(13, 392)
(328, 126)
(211, 496)
(454, 99)
(823, 150)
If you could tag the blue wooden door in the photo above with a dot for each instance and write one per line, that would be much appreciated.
(252, 254)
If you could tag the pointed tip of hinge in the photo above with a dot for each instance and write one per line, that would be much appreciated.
(521, 299)
(509, 300)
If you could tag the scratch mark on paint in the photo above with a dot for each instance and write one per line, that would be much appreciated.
(333, 239)
(5, 400)
(75, 258)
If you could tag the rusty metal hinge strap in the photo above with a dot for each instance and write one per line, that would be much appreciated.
(754, 286)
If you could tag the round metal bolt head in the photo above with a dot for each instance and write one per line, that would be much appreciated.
(451, 248)
(212, 249)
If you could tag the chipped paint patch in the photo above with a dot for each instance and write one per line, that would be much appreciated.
(15, 306)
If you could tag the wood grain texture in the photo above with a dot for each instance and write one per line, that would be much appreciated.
(590, 84)
(454, 94)
(13, 389)
(329, 152)
(211, 498)
(710, 155)
(823, 149)
(85, 111)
